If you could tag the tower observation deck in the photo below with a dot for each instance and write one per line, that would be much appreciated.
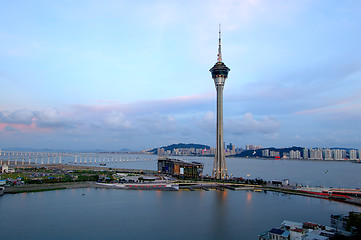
(219, 74)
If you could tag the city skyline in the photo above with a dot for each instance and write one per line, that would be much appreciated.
(119, 75)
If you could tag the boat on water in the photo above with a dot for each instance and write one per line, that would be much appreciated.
(2, 189)
(143, 186)
(103, 164)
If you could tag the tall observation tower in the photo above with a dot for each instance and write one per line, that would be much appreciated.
(219, 74)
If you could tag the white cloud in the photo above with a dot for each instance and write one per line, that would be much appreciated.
(207, 123)
(157, 123)
(22, 116)
(267, 126)
(51, 118)
(117, 120)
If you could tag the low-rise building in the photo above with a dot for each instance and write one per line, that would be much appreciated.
(339, 221)
(275, 234)
(5, 169)
(299, 231)
(176, 167)
(346, 223)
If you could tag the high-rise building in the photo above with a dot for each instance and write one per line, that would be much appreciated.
(295, 154)
(229, 146)
(160, 151)
(274, 154)
(339, 154)
(305, 153)
(265, 153)
(327, 154)
(253, 147)
(316, 153)
(352, 154)
(233, 150)
(219, 74)
(238, 150)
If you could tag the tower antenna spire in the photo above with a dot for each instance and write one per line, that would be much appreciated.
(219, 46)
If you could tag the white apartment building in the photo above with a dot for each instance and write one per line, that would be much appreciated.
(305, 153)
(339, 154)
(327, 153)
(353, 154)
(265, 153)
(295, 154)
(316, 154)
(253, 147)
(274, 154)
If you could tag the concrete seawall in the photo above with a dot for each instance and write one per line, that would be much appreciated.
(48, 187)
(192, 187)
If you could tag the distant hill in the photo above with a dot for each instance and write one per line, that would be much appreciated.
(180, 145)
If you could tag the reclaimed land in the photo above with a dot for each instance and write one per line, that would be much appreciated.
(184, 184)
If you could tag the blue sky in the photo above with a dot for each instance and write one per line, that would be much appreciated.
(135, 74)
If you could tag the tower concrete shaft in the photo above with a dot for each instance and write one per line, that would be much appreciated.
(219, 74)
(219, 166)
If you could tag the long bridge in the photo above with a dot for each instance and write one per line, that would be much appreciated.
(13, 158)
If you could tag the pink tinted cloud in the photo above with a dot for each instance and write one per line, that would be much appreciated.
(2, 126)
(346, 106)
(25, 128)
(25, 120)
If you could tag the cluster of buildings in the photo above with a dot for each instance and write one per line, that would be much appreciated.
(340, 226)
(253, 147)
(229, 151)
(303, 153)
(331, 154)
(315, 154)
(185, 151)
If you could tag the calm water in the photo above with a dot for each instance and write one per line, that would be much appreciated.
(122, 214)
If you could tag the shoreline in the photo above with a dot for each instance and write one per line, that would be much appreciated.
(182, 187)
(47, 187)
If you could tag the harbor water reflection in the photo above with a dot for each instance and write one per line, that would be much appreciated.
(96, 213)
